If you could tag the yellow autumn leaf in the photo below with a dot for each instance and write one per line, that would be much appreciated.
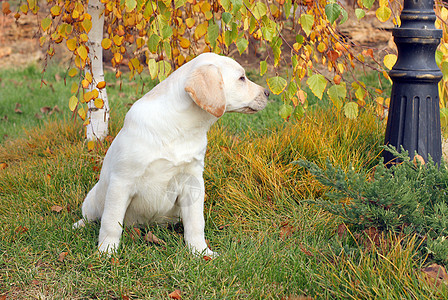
(75, 14)
(85, 84)
(90, 145)
(95, 94)
(89, 77)
(101, 85)
(55, 10)
(72, 103)
(99, 103)
(140, 43)
(45, 23)
(118, 40)
(87, 25)
(83, 37)
(390, 60)
(118, 57)
(87, 97)
(180, 60)
(200, 30)
(184, 43)
(82, 52)
(153, 68)
(322, 47)
(190, 22)
(71, 44)
(73, 72)
(24, 8)
(205, 7)
(444, 14)
(82, 113)
(106, 43)
(74, 88)
(208, 15)
(383, 13)
(68, 29)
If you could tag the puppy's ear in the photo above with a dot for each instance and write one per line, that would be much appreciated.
(205, 86)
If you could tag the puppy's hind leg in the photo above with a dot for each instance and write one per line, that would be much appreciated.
(91, 208)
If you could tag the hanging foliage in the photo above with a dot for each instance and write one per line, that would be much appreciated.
(160, 36)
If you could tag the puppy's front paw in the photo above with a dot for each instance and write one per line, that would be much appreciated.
(210, 253)
(79, 224)
(108, 246)
(205, 253)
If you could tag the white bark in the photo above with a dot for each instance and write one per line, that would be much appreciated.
(99, 118)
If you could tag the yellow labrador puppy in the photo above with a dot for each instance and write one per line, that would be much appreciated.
(152, 172)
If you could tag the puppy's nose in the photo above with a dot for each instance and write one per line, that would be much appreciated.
(267, 93)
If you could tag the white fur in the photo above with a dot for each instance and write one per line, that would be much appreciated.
(152, 172)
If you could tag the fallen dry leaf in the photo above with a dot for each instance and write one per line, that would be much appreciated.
(206, 258)
(3, 297)
(21, 229)
(151, 238)
(124, 297)
(418, 158)
(3, 165)
(62, 256)
(373, 237)
(305, 251)
(56, 208)
(49, 151)
(175, 295)
(55, 109)
(134, 233)
(17, 109)
(342, 230)
(435, 274)
(286, 231)
(45, 109)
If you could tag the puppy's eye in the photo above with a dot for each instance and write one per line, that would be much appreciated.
(243, 78)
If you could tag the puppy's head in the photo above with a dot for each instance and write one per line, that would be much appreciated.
(219, 84)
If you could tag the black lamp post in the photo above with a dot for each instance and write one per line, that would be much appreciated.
(414, 116)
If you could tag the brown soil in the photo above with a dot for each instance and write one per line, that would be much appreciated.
(19, 44)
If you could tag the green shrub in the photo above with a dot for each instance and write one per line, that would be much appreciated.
(408, 198)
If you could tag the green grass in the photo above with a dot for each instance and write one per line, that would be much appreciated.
(272, 243)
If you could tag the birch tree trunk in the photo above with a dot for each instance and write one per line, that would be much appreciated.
(99, 117)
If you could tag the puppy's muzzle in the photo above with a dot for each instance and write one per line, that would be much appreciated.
(259, 103)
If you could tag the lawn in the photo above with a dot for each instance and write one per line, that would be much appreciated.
(273, 243)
